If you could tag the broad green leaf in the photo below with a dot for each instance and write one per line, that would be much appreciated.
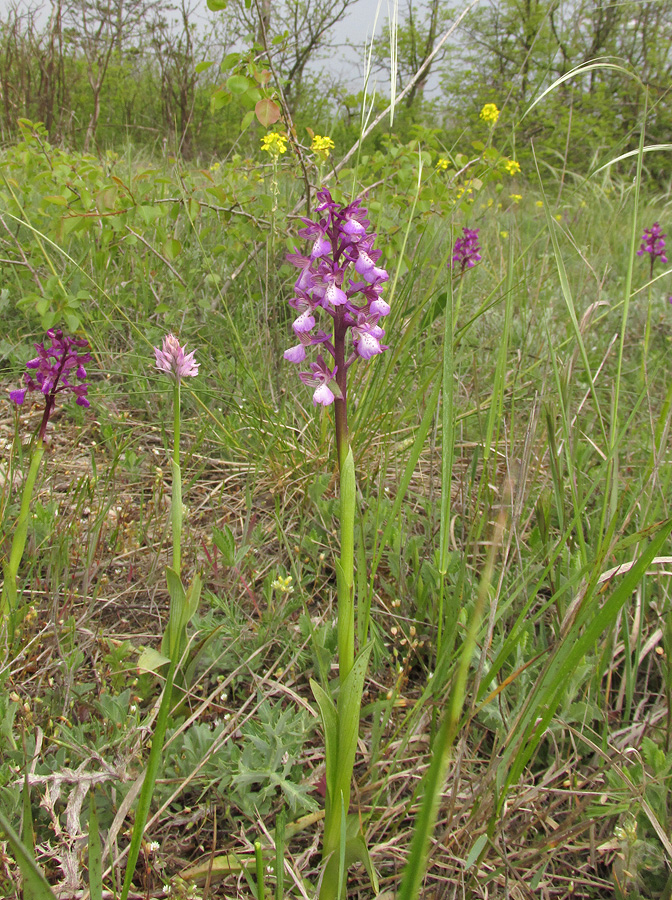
(237, 84)
(151, 660)
(172, 248)
(349, 709)
(217, 5)
(203, 66)
(229, 61)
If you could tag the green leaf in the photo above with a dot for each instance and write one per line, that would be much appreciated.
(349, 708)
(238, 84)
(193, 598)
(151, 660)
(216, 5)
(95, 853)
(226, 544)
(203, 66)
(247, 120)
(35, 885)
(219, 99)
(476, 850)
(229, 61)
(172, 248)
(329, 718)
(178, 607)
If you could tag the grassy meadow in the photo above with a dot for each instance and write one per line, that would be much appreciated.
(512, 560)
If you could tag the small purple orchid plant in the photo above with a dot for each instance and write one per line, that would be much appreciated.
(340, 279)
(56, 369)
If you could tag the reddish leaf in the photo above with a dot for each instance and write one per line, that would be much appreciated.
(267, 112)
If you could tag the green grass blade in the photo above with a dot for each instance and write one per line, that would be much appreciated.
(35, 885)
(147, 791)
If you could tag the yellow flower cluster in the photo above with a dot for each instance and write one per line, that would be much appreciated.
(516, 197)
(511, 167)
(490, 113)
(284, 585)
(442, 164)
(322, 146)
(274, 144)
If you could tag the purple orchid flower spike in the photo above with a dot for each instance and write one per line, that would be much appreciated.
(173, 360)
(341, 278)
(467, 250)
(58, 363)
(653, 243)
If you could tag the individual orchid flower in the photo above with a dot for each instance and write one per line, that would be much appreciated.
(322, 379)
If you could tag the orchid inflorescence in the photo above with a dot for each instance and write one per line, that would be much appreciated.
(466, 252)
(58, 362)
(352, 299)
(653, 243)
(173, 360)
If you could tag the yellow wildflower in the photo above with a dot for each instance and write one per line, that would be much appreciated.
(490, 113)
(215, 166)
(504, 234)
(516, 197)
(512, 167)
(558, 217)
(442, 164)
(284, 585)
(322, 146)
(274, 144)
(540, 204)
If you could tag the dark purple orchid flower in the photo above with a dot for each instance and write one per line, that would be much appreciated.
(57, 363)
(467, 250)
(654, 244)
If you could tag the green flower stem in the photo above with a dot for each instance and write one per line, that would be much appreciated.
(346, 570)
(647, 330)
(176, 502)
(349, 700)
(9, 592)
